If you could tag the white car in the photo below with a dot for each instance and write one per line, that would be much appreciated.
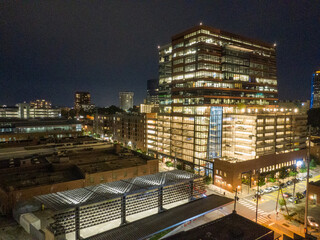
(268, 190)
(312, 223)
(293, 199)
(275, 188)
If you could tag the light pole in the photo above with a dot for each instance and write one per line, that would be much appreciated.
(257, 197)
(307, 187)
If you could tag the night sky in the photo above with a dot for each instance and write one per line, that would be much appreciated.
(50, 49)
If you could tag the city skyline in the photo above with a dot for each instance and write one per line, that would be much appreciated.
(60, 49)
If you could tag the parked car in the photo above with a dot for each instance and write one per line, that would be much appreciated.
(268, 190)
(286, 195)
(275, 188)
(300, 195)
(300, 179)
(289, 182)
(293, 199)
(312, 222)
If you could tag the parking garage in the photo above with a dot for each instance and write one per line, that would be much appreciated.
(80, 209)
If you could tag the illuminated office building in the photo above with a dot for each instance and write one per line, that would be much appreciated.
(204, 75)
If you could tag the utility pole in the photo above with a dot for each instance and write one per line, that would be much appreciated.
(307, 187)
(285, 203)
(235, 201)
(277, 203)
(294, 186)
(257, 197)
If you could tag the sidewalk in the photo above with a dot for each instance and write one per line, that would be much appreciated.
(220, 191)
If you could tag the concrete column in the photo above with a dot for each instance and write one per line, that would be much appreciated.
(191, 190)
(77, 222)
(160, 200)
(123, 210)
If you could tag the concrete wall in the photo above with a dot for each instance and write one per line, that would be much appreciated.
(151, 167)
(314, 192)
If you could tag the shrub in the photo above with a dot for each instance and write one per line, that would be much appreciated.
(292, 173)
(169, 164)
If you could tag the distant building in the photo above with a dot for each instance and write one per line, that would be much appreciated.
(82, 100)
(149, 108)
(152, 91)
(315, 90)
(124, 128)
(26, 111)
(40, 104)
(126, 100)
(34, 129)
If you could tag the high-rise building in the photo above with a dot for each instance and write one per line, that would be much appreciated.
(315, 90)
(152, 91)
(82, 100)
(126, 100)
(204, 75)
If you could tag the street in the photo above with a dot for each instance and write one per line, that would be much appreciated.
(267, 216)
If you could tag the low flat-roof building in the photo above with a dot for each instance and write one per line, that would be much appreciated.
(26, 129)
(75, 167)
(231, 227)
(78, 211)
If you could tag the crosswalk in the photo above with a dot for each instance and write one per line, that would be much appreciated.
(262, 215)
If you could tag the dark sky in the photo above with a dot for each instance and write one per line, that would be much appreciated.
(50, 49)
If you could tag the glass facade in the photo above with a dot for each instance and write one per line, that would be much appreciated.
(315, 90)
(215, 133)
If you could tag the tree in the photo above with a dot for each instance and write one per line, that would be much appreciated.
(303, 168)
(110, 110)
(313, 164)
(134, 109)
(208, 180)
(283, 173)
(261, 181)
